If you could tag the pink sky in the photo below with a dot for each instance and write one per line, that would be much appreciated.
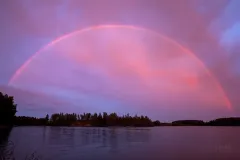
(124, 70)
(120, 63)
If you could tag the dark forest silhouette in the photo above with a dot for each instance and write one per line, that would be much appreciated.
(87, 119)
(101, 120)
(8, 110)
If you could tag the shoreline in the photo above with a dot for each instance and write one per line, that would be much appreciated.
(4, 127)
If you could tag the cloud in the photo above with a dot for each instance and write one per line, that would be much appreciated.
(196, 24)
(118, 66)
(38, 103)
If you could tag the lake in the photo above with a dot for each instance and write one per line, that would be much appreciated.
(167, 143)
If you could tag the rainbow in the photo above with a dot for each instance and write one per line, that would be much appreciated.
(187, 51)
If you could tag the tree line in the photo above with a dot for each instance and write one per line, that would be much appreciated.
(8, 110)
(101, 120)
(88, 119)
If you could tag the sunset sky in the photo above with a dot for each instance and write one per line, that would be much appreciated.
(168, 59)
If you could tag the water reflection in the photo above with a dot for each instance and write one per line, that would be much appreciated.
(6, 147)
(170, 143)
(69, 141)
(94, 137)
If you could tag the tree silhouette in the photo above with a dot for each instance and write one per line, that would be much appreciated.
(231, 121)
(8, 109)
(46, 119)
(100, 120)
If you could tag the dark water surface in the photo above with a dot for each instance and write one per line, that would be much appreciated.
(166, 143)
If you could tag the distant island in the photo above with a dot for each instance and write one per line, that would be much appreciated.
(8, 118)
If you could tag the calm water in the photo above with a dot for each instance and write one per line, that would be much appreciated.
(167, 143)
